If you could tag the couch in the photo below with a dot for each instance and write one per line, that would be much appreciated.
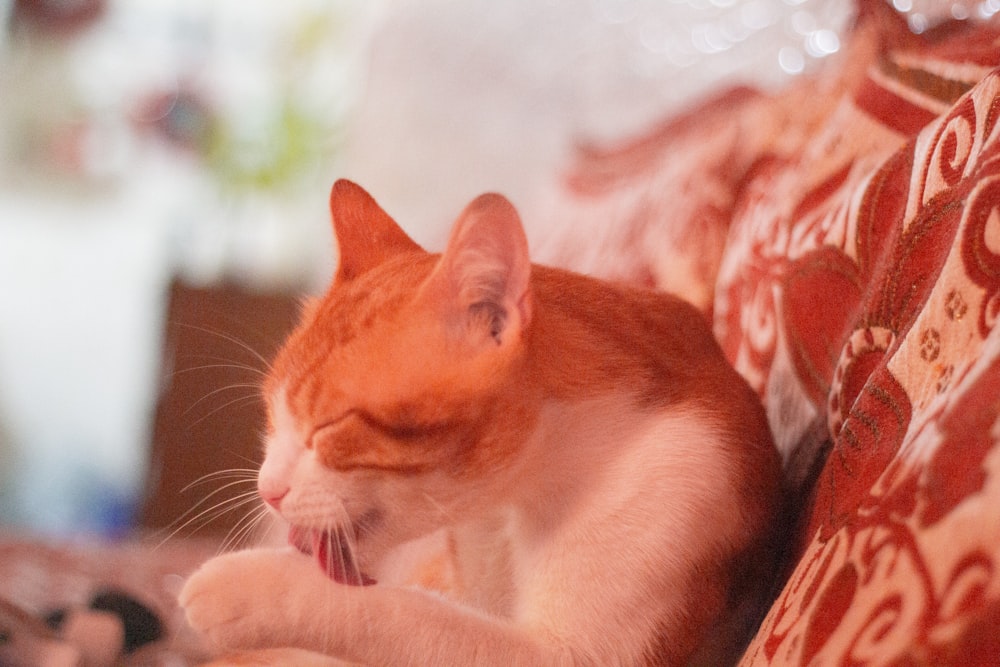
(843, 237)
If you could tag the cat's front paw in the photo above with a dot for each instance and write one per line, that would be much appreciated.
(236, 600)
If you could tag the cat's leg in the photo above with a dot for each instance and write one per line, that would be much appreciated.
(267, 598)
(236, 600)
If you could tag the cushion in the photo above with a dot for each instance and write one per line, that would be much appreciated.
(862, 303)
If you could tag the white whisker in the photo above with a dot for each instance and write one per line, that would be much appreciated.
(330, 590)
(235, 401)
(230, 338)
(217, 491)
(244, 529)
(445, 514)
(228, 387)
(223, 363)
(198, 515)
(209, 514)
(239, 474)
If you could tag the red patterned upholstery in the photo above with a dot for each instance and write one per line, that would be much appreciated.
(844, 235)
(882, 290)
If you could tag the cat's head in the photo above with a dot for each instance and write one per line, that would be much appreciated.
(398, 398)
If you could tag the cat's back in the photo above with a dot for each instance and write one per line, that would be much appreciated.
(603, 334)
(689, 441)
(592, 338)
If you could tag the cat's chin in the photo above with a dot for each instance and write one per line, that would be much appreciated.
(332, 552)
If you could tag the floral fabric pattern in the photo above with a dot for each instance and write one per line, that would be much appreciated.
(858, 291)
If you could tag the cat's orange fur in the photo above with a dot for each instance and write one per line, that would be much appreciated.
(600, 470)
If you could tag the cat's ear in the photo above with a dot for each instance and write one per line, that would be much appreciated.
(366, 235)
(483, 276)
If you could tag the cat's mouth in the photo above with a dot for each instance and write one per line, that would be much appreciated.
(332, 552)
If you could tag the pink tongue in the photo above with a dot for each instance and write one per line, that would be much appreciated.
(332, 554)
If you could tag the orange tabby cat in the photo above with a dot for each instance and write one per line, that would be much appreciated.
(573, 465)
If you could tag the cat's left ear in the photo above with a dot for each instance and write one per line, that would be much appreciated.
(484, 274)
(366, 235)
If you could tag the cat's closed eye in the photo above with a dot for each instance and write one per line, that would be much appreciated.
(359, 439)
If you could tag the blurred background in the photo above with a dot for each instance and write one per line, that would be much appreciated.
(164, 171)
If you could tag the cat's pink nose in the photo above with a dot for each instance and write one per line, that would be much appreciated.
(273, 497)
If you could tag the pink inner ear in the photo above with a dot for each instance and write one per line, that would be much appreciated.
(366, 235)
(485, 265)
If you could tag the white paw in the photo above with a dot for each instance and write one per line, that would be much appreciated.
(242, 599)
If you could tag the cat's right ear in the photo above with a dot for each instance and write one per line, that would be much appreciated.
(366, 235)
(483, 276)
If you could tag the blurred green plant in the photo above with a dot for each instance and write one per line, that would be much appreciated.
(289, 144)
(278, 147)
